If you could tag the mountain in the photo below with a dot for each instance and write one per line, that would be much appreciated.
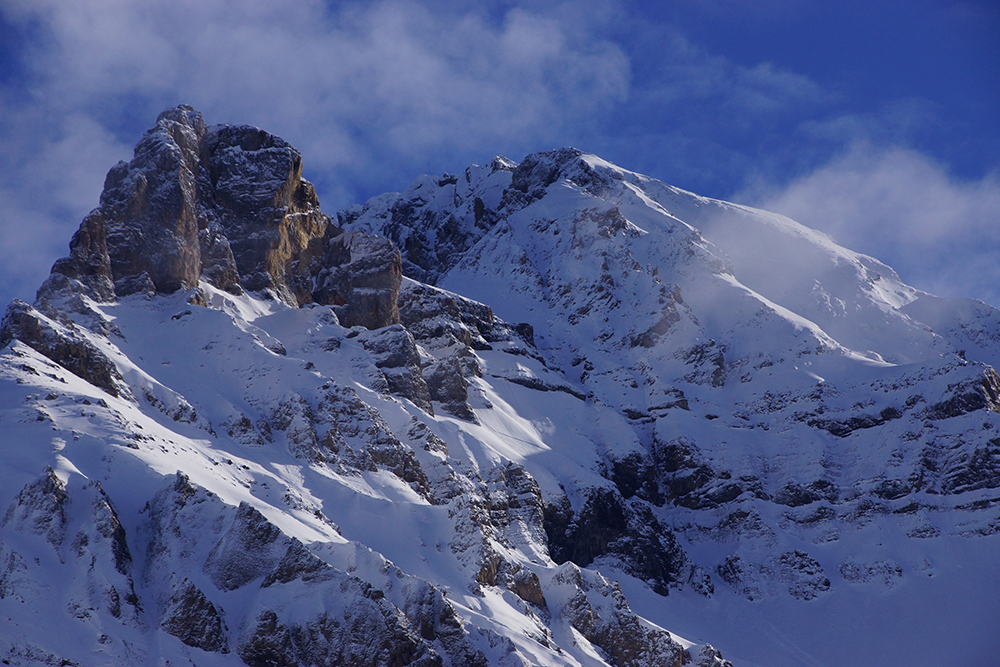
(541, 413)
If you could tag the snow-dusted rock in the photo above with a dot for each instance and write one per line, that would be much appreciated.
(63, 344)
(359, 275)
(596, 609)
(191, 617)
(435, 220)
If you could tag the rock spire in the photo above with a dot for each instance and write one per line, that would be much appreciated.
(226, 204)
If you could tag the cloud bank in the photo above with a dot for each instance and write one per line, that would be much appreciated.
(412, 75)
(941, 234)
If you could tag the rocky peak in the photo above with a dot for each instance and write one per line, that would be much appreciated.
(226, 204)
(540, 170)
(437, 218)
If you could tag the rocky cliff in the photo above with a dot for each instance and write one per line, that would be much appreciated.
(227, 205)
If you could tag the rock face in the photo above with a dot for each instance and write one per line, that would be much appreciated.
(225, 204)
(249, 549)
(192, 618)
(64, 344)
(436, 219)
(65, 545)
(609, 527)
(360, 274)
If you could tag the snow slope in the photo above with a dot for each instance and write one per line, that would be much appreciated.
(803, 386)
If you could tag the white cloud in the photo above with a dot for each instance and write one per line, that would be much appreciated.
(412, 75)
(359, 88)
(50, 183)
(893, 122)
(940, 233)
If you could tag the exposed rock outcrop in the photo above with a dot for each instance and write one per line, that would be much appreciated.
(598, 611)
(192, 618)
(65, 345)
(40, 509)
(360, 275)
(309, 611)
(251, 548)
(76, 529)
(395, 353)
(436, 219)
(450, 328)
(628, 532)
(797, 572)
(226, 204)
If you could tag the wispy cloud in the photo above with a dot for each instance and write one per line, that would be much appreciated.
(941, 233)
(361, 88)
(703, 121)
(400, 70)
(688, 73)
(50, 182)
(897, 122)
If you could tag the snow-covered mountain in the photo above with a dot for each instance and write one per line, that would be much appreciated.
(570, 415)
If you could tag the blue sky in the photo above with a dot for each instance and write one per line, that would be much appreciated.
(875, 121)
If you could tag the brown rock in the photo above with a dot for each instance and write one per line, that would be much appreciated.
(360, 274)
(268, 213)
(226, 204)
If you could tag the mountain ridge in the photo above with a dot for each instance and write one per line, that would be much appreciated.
(575, 383)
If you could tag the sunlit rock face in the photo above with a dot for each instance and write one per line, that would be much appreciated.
(226, 204)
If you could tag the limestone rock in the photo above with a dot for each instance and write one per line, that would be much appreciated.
(395, 353)
(436, 219)
(269, 214)
(977, 393)
(362, 637)
(88, 263)
(73, 536)
(707, 655)
(450, 327)
(431, 313)
(607, 525)
(226, 204)
(249, 550)
(360, 275)
(40, 508)
(798, 573)
(597, 610)
(298, 563)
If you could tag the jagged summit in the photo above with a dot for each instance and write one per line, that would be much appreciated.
(228, 205)
(598, 411)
